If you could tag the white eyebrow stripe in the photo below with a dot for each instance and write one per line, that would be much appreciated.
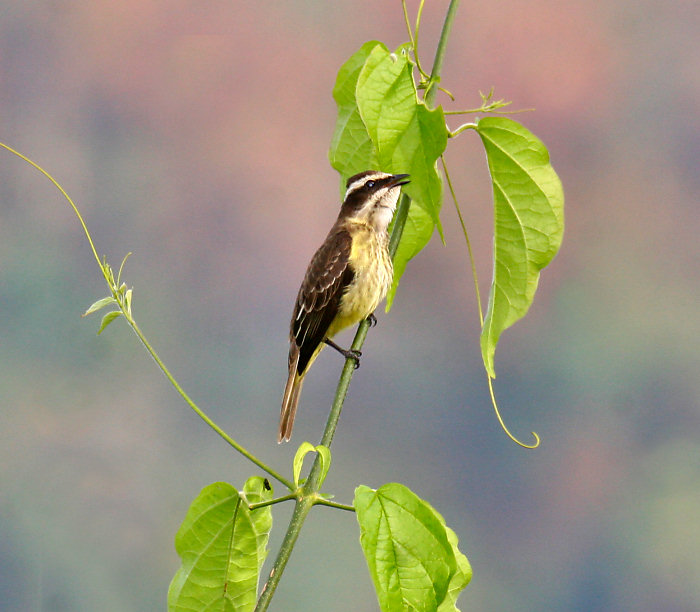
(360, 182)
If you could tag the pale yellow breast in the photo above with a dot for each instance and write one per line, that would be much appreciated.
(370, 260)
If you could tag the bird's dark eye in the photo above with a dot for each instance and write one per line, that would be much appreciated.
(369, 184)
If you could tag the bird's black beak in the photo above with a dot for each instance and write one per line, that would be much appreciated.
(398, 179)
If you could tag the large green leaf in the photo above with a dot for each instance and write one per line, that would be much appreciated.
(528, 223)
(460, 578)
(408, 137)
(222, 545)
(404, 136)
(412, 556)
(351, 148)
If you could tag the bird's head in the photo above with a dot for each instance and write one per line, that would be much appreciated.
(371, 196)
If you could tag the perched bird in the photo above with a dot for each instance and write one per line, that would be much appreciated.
(347, 278)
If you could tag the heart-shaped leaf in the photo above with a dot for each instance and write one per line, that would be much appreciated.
(412, 556)
(528, 223)
(222, 545)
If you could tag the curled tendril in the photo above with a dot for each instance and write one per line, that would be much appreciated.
(503, 425)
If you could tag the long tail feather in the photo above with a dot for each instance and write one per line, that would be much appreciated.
(292, 391)
(290, 399)
(289, 411)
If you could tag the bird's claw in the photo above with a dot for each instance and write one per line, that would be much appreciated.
(353, 354)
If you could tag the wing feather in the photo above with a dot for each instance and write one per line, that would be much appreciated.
(326, 279)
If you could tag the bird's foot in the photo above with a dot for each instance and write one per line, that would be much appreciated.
(347, 353)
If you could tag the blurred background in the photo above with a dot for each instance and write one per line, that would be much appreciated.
(195, 135)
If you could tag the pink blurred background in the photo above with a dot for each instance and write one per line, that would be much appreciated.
(195, 135)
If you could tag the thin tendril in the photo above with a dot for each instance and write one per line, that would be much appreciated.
(65, 195)
(121, 267)
(466, 238)
(415, 44)
(414, 39)
(535, 444)
(408, 23)
(472, 111)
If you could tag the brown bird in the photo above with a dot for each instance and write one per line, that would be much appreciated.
(347, 278)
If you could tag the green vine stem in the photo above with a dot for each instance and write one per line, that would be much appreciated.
(125, 308)
(431, 91)
(201, 414)
(309, 496)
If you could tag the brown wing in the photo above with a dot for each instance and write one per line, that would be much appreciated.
(326, 278)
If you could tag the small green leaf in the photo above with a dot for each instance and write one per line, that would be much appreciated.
(99, 304)
(413, 560)
(127, 300)
(222, 545)
(107, 319)
(325, 454)
(302, 451)
(108, 272)
(305, 448)
(528, 223)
